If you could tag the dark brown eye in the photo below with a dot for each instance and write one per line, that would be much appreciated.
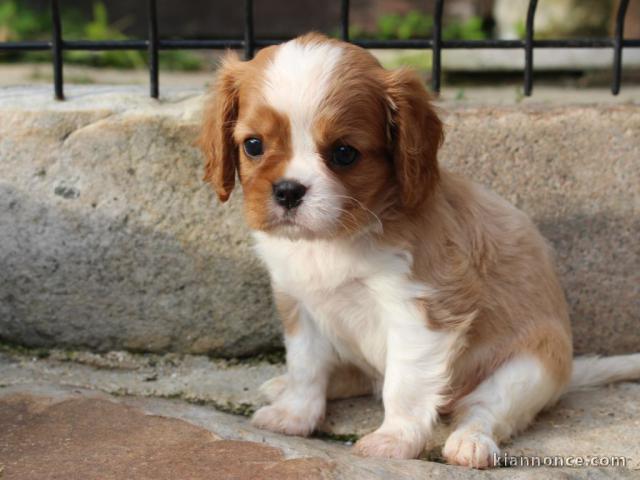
(344, 155)
(253, 147)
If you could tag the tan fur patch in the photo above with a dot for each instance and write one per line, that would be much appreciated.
(289, 312)
(259, 174)
(348, 381)
(491, 274)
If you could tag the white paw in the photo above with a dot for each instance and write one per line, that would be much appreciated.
(278, 418)
(388, 444)
(470, 448)
(273, 388)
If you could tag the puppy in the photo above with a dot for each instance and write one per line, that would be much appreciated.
(388, 271)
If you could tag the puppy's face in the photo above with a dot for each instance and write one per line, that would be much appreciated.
(321, 136)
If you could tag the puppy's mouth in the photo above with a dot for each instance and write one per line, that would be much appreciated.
(288, 217)
(288, 224)
(285, 220)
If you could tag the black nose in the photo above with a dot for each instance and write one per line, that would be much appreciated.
(288, 193)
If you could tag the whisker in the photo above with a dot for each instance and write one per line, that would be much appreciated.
(361, 205)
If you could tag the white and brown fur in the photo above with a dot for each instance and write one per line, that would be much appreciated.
(394, 273)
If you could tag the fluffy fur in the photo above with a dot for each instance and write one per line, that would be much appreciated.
(393, 274)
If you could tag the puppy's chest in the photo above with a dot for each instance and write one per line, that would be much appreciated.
(348, 289)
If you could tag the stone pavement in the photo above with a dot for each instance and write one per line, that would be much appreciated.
(80, 415)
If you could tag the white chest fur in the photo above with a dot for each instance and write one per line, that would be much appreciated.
(353, 290)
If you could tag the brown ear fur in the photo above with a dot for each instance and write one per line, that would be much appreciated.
(416, 134)
(216, 135)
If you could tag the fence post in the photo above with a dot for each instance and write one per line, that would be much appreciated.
(154, 88)
(436, 46)
(528, 48)
(56, 50)
(618, 41)
(249, 40)
(344, 20)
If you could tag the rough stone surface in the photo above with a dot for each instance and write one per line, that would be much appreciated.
(110, 240)
(230, 386)
(85, 437)
(52, 432)
(597, 422)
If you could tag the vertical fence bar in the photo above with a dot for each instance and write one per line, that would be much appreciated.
(249, 39)
(437, 46)
(528, 48)
(56, 51)
(344, 20)
(154, 87)
(617, 46)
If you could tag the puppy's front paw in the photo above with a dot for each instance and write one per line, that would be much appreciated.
(470, 448)
(280, 419)
(273, 388)
(388, 444)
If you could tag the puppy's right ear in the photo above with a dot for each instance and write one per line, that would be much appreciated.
(219, 118)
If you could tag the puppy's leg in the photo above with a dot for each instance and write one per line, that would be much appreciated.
(300, 404)
(416, 375)
(499, 407)
(346, 381)
(349, 381)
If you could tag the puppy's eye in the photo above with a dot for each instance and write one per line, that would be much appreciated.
(344, 155)
(253, 147)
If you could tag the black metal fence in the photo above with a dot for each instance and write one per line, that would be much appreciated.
(57, 45)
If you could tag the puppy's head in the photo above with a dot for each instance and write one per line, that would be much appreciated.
(321, 137)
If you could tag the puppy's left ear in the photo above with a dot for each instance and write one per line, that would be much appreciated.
(216, 136)
(416, 135)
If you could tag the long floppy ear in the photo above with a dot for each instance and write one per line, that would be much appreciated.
(416, 135)
(216, 136)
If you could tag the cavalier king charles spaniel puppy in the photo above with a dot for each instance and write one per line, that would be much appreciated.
(390, 273)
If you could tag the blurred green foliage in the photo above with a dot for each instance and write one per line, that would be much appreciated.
(471, 29)
(415, 24)
(19, 23)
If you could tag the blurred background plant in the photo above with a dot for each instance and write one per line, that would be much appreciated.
(415, 24)
(19, 22)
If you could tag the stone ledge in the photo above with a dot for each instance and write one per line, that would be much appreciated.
(110, 240)
(597, 422)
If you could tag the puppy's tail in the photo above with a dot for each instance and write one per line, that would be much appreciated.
(593, 371)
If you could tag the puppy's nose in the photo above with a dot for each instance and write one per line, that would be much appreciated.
(288, 193)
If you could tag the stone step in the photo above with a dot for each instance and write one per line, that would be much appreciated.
(110, 240)
(199, 394)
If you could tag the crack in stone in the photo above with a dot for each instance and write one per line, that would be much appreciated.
(68, 135)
